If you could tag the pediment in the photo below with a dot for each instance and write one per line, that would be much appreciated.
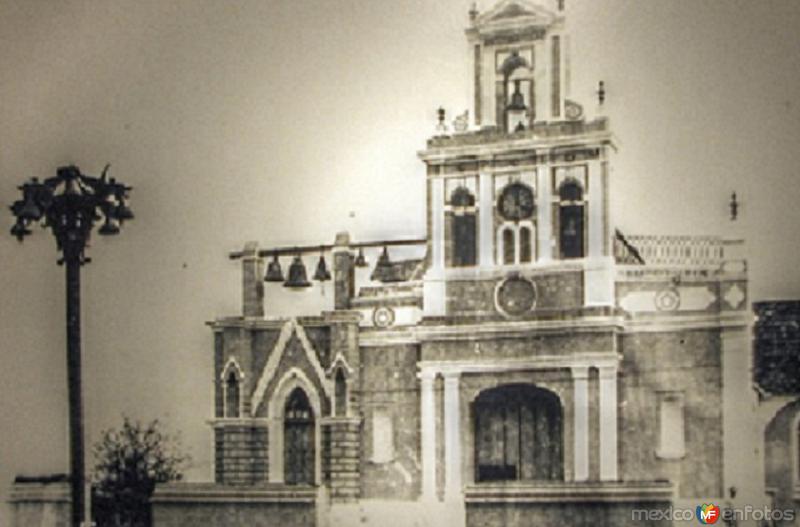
(513, 10)
(292, 339)
(514, 13)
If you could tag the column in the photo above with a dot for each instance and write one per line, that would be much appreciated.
(608, 423)
(580, 382)
(428, 435)
(486, 218)
(452, 438)
(433, 291)
(437, 222)
(544, 208)
(596, 212)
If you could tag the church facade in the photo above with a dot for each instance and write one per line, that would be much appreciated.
(534, 366)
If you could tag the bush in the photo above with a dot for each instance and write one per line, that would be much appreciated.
(129, 463)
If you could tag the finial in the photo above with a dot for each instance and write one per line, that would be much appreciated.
(601, 92)
(473, 11)
(441, 127)
(734, 206)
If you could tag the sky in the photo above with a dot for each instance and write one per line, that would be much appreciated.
(287, 121)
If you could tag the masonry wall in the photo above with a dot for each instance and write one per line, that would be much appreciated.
(683, 361)
(390, 388)
(204, 505)
(780, 463)
(240, 455)
(476, 298)
(566, 514)
(528, 346)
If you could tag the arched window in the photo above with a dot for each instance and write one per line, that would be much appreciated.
(464, 232)
(232, 395)
(518, 434)
(340, 393)
(298, 440)
(508, 246)
(571, 220)
(525, 252)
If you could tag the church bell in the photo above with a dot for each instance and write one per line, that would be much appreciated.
(274, 272)
(361, 261)
(383, 267)
(297, 274)
(322, 274)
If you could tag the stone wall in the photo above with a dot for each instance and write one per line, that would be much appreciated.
(476, 298)
(598, 505)
(40, 504)
(240, 453)
(390, 390)
(527, 346)
(206, 505)
(688, 362)
(780, 471)
(341, 458)
(776, 343)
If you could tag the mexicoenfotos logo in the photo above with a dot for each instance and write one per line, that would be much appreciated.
(707, 514)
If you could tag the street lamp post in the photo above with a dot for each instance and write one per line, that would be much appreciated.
(69, 204)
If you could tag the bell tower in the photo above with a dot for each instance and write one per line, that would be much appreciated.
(518, 62)
(524, 190)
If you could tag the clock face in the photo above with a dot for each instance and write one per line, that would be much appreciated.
(516, 202)
(515, 296)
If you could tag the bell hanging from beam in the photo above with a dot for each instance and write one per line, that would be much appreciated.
(361, 261)
(383, 267)
(274, 272)
(322, 274)
(297, 274)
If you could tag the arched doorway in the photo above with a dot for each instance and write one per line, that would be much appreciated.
(518, 434)
(298, 440)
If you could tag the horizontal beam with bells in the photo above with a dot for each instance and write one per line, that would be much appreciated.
(298, 276)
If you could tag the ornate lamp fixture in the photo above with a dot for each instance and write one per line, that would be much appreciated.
(69, 204)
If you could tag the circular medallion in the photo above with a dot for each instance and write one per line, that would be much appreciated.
(516, 202)
(667, 300)
(383, 317)
(515, 296)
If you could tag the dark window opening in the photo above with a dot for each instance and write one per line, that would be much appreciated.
(518, 435)
(232, 395)
(298, 440)
(340, 393)
(508, 246)
(465, 233)
(525, 245)
(571, 220)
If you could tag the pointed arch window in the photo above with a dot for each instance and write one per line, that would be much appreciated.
(232, 395)
(571, 221)
(518, 434)
(298, 439)
(340, 393)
